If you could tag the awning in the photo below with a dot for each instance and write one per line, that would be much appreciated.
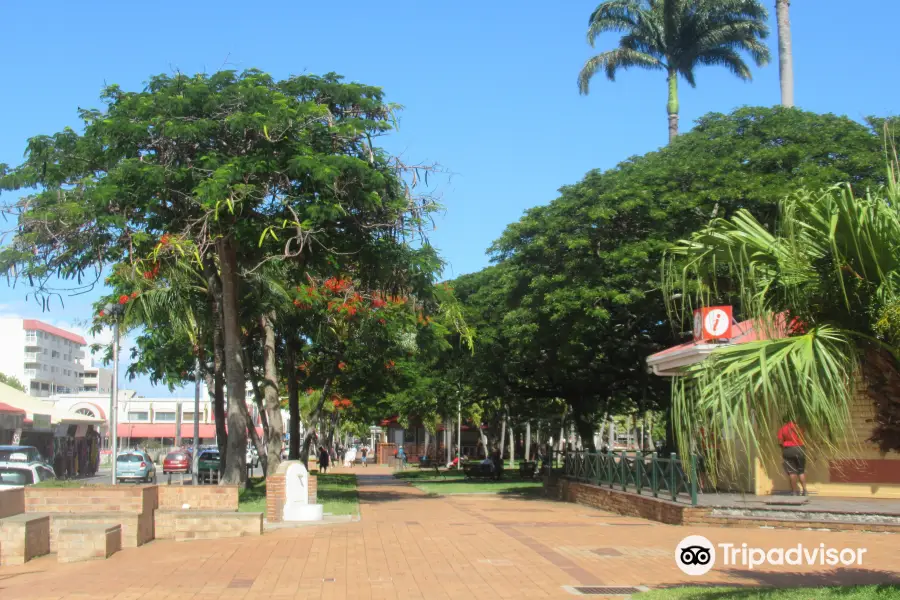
(166, 430)
(671, 361)
(10, 410)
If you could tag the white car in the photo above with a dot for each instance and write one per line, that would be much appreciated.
(18, 474)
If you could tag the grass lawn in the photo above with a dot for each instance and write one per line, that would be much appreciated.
(865, 592)
(454, 482)
(60, 483)
(337, 494)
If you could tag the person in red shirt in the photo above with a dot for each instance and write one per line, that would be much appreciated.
(793, 454)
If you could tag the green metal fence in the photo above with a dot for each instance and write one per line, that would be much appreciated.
(639, 472)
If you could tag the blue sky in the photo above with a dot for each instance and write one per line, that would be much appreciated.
(489, 87)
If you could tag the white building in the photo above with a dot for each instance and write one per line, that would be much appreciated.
(141, 419)
(95, 380)
(46, 359)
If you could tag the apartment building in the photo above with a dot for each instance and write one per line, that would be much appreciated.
(94, 379)
(46, 359)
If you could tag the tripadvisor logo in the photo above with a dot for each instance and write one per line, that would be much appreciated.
(695, 555)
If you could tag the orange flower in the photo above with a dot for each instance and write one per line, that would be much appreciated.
(101, 314)
(389, 364)
(164, 240)
(134, 295)
(310, 391)
(382, 321)
(123, 299)
(342, 365)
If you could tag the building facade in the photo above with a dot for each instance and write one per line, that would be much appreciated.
(94, 379)
(142, 420)
(46, 359)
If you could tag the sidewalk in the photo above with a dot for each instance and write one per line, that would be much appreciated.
(409, 545)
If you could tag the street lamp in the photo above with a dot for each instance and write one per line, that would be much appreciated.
(116, 311)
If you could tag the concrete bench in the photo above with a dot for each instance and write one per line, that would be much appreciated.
(23, 537)
(88, 541)
(137, 529)
(213, 525)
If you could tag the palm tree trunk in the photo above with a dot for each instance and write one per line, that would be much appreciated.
(672, 106)
(274, 425)
(235, 461)
(785, 54)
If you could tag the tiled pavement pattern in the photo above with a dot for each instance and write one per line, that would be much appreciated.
(409, 545)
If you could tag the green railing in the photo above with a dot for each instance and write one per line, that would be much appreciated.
(638, 472)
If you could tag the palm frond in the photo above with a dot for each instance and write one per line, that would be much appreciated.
(612, 61)
(614, 15)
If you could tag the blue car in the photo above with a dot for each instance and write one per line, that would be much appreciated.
(135, 465)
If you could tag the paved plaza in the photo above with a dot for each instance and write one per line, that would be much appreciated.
(411, 545)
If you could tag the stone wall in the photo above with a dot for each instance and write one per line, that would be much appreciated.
(673, 513)
(129, 499)
(626, 503)
(137, 529)
(23, 537)
(88, 542)
(200, 497)
(12, 502)
(202, 525)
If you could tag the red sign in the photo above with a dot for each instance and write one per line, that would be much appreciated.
(713, 323)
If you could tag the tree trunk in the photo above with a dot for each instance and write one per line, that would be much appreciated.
(217, 389)
(785, 54)
(585, 426)
(502, 437)
(528, 440)
(274, 423)
(672, 106)
(427, 443)
(648, 418)
(313, 424)
(293, 392)
(612, 432)
(236, 460)
(562, 430)
(512, 441)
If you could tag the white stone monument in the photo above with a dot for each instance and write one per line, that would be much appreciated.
(296, 491)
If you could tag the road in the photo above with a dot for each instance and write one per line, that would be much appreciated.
(103, 477)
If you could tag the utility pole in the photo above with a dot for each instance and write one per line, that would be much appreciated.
(196, 420)
(178, 422)
(116, 311)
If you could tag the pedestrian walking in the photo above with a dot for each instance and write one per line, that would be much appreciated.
(364, 453)
(793, 453)
(324, 459)
(401, 456)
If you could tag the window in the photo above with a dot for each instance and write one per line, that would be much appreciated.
(187, 417)
(10, 476)
(140, 415)
(45, 351)
(164, 416)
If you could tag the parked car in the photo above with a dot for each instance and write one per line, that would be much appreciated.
(252, 456)
(135, 465)
(178, 461)
(19, 473)
(208, 463)
(26, 454)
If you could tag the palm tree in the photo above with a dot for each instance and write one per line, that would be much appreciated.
(676, 36)
(785, 55)
(825, 288)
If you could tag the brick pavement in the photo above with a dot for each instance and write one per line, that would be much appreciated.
(410, 545)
